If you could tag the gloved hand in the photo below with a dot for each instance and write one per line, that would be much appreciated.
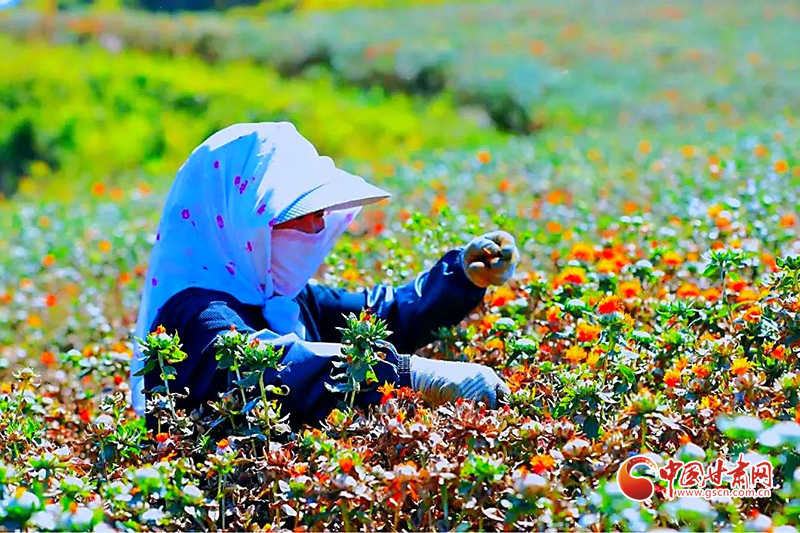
(490, 259)
(446, 381)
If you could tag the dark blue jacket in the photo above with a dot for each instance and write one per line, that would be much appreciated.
(442, 296)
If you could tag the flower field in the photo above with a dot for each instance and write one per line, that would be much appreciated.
(656, 309)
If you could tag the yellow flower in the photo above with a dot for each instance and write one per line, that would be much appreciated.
(740, 366)
(575, 354)
(494, 344)
(710, 402)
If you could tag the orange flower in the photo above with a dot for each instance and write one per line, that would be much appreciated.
(747, 295)
(630, 289)
(594, 155)
(781, 166)
(350, 274)
(645, 147)
(688, 151)
(587, 332)
(223, 444)
(554, 227)
(609, 304)
(779, 352)
(788, 220)
(710, 402)
(537, 47)
(701, 371)
(487, 322)
(494, 343)
(98, 189)
(769, 260)
(51, 300)
(606, 266)
(162, 437)
(715, 210)
(582, 252)
(575, 354)
(501, 296)
(574, 275)
(555, 197)
(484, 156)
(553, 314)
(711, 294)
(124, 278)
(34, 321)
(760, 150)
(48, 358)
(48, 260)
(672, 378)
(104, 246)
(737, 285)
(160, 329)
(593, 357)
(346, 464)
(722, 222)
(504, 186)
(681, 363)
(387, 388)
(672, 259)
(688, 290)
(740, 366)
(541, 463)
(438, 203)
(44, 222)
(516, 380)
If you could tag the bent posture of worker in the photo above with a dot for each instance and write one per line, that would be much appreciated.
(249, 219)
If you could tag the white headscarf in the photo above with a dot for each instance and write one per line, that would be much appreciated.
(216, 227)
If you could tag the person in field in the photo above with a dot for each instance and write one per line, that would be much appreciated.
(249, 219)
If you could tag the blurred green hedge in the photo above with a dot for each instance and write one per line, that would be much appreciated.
(84, 113)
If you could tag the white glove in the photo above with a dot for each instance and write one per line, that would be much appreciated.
(446, 381)
(490, 259)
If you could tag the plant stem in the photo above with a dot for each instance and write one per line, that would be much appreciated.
(346, 516)
(221, 498)
(265, 406)
(166, 387)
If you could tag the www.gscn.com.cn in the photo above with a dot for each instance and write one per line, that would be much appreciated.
(744, 479)
(722, 492)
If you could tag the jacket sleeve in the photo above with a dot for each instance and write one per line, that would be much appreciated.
(307, 365)
(440, 297)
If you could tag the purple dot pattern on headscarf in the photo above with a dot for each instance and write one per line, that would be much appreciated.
(230, 269)
(158, 236)
(216, 164)
(243, 186)
(220, 222)
(262, 209)
(237, 180)
(154, 282)
(185, 214)
(249, 246)
(271, 222)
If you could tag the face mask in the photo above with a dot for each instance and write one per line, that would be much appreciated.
(295, 258)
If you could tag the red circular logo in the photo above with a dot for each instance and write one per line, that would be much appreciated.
(636, 488)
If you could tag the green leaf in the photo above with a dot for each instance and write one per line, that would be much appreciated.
(248, 382)
(591, 426)
(627, 373)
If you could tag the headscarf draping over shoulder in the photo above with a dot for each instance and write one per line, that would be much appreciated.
(216, 227)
